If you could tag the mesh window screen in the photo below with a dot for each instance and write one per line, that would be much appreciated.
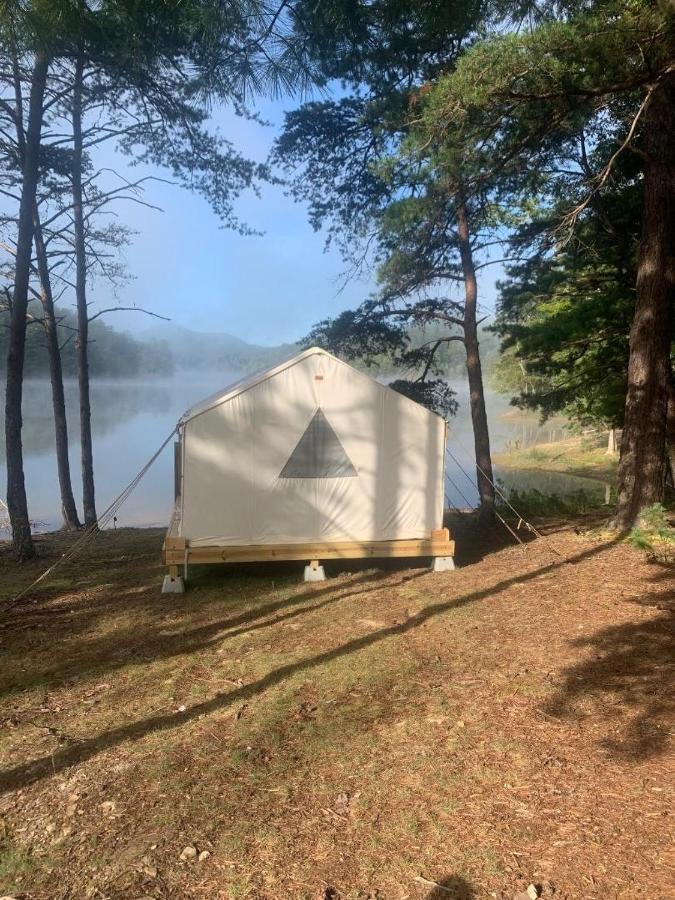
(319, 454)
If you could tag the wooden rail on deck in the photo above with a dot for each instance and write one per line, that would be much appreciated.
(175, 548)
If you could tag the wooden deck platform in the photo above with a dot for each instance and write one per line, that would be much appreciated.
(176, 551)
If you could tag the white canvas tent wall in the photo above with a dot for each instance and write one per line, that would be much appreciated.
(310, 452)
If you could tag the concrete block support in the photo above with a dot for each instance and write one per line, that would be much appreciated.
(173, 584)
(314, 571)
(443, 564)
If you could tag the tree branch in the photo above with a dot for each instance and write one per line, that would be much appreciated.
(147, 312)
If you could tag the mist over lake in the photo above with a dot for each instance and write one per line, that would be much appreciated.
(131, 418)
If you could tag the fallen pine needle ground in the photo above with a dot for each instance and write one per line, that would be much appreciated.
(393, 734)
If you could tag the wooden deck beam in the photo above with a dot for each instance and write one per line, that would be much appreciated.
(174, 554)
(176, 551)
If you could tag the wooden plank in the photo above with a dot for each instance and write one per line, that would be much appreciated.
(315, 551)
(342, 550)
(172, 541)
(172, 530)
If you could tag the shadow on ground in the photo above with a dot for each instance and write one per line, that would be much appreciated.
(629, 673)
(161, 628)
(26, 773)
(475, 539)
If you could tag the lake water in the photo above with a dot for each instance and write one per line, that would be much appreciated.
(130, 420)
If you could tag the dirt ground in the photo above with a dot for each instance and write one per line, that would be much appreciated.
(386, 734)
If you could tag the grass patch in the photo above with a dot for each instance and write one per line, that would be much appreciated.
(538, 505)
(15, 866)
(584, 456)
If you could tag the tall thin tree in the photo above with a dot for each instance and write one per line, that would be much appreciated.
(86, 443)
(16, 487)
(69, 510)
(14, 145)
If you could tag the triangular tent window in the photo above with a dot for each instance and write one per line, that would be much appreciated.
(319, 454)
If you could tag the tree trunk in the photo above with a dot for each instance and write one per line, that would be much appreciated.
(481, 436)
(88, 496)
(68, 507)
(643, 444)
(16, 487)
(670, 435)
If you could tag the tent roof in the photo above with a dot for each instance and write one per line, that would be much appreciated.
(248, 381)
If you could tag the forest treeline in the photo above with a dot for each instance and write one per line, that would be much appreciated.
(538, 136)
(113, 353)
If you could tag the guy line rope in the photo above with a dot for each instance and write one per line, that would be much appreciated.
(89, 533)
(468, 503)
(521, 518)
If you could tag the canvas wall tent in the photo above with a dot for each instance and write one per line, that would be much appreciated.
(310, 460)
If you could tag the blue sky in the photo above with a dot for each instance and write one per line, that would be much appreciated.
(267, 289)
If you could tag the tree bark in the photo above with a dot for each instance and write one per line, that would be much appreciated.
(481, 435)
(16, 487)
(643, 445)
(70, 518)
(670, 434)
(86, 444)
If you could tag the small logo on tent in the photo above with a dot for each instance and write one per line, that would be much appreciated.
(319, 454)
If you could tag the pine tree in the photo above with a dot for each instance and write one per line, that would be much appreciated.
(605, 69)
(380, 196)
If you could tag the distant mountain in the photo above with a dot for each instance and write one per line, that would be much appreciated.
(198, 350)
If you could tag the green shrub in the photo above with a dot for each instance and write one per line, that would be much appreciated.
(536, 504)
(654, 534)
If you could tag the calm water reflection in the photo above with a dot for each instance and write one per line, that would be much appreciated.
(131, 419)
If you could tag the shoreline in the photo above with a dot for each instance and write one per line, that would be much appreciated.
(576, 456)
